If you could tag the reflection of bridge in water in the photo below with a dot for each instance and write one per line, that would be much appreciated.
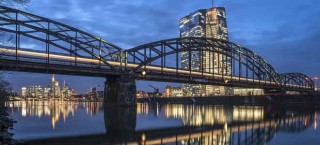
(238, 125)
(255, 133)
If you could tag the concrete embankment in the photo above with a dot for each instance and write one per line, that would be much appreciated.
(235, 100)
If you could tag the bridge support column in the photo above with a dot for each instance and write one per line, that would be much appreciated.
(120, 123)
(120, 90)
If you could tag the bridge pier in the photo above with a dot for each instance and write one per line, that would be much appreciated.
(120, 123)
(120, 90)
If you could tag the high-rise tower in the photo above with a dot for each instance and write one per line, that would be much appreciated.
(55, 87)
(210, 23)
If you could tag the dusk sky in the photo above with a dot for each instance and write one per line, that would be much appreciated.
(284, 32)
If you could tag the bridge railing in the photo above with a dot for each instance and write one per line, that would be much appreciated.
(40, 57)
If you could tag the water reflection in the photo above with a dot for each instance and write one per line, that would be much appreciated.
(197, 115)
(56, 109)
(222, 125)
(197, 124)
(315, 124)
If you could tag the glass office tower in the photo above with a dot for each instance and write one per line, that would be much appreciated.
(210, 23)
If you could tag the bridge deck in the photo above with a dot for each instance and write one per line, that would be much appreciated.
(37, 61)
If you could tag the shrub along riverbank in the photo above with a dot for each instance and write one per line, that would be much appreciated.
(5, 122)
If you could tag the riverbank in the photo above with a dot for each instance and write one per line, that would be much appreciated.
(5, 124)
(235, 100)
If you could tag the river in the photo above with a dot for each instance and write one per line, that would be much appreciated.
(92, 123)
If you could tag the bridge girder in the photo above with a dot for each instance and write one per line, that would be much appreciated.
(67, 39)
(290, 79)
(149, 53)
(230, 52)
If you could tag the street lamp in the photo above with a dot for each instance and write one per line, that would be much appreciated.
(315, 83)
(143, 138)
(144, 73)
(226, 81)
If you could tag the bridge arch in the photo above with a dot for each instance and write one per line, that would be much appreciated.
(239, 59)
(67, 39)
(291, 80)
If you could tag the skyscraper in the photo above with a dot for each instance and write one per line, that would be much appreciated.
(210, 23)
(55, 87)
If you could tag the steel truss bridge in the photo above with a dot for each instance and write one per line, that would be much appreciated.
(33, 43)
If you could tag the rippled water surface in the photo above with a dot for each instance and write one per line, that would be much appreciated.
(71, 122)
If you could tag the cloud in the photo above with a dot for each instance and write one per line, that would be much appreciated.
(128, 23)
(285, 34)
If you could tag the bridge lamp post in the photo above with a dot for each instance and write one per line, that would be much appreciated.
(307, 79)
(225, 127)
(144, 73)
(143, 138)
(226, 80)
(315, 83)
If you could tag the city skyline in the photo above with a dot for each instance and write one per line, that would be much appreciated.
(159, 72)
(254, 31)
(53, 90)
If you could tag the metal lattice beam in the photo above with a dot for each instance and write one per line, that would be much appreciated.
(159, 50)
(291, 80)
(53, 33)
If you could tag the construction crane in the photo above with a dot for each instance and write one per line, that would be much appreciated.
(155, 92)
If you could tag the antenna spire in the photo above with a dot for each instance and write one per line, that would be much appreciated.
(212, 3)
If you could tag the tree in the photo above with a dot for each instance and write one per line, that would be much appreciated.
(5, 88)
(6, 39)
(17, 4)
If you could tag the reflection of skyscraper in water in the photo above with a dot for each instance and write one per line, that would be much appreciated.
(213, 115)
(210, 23)
(55, 109)
(224, 118)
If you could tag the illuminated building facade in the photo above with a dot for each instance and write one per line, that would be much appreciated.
(24, 92)
(48, 92)
(35, 92)
(173, 92)
(210, 23)
(93, 94)
(66, 91)
(248, 92)
(32, 92)
(141, 94)
(55, 87)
